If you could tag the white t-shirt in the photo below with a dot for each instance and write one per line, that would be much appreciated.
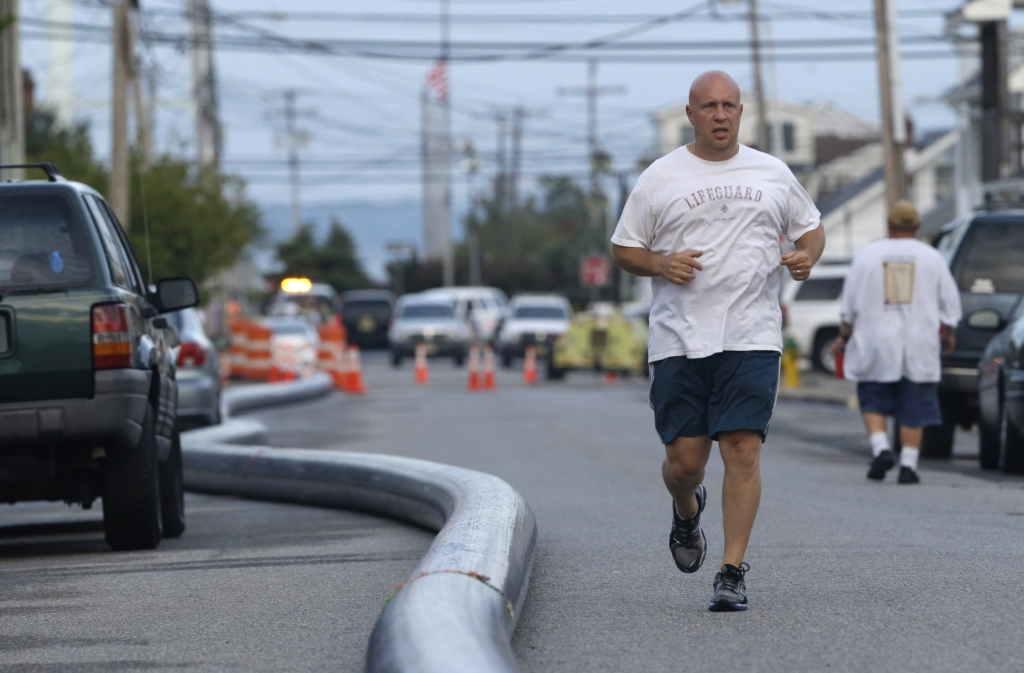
(735, 211)
(897, 295)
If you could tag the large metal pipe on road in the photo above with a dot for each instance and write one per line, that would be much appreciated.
(457, 611)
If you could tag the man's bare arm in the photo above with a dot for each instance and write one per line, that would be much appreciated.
(808, 250)
(678, 268)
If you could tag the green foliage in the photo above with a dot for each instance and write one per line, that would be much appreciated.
(334, 261)
(534, 248)
(199, 221)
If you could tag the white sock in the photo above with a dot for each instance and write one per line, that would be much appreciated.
(879, 443)
(908, 457)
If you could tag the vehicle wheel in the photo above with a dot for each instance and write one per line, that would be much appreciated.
(396, 359)
(988, 446)
(937, 440)
(131, 493)
(821, 356)
(1011, 453)
(554, 373)
(459, 359)
(172, 490)
(506, 360)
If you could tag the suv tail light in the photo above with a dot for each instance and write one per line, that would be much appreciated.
(191, 355)
(111, 339)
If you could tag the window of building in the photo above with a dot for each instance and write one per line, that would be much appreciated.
(788, 136)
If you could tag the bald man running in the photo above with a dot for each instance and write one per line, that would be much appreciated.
(705, 222)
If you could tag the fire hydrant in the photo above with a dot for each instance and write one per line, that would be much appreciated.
(790, 363)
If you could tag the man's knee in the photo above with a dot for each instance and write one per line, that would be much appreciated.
(686, 458)
(741, 449)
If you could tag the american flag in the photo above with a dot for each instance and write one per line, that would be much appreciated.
(438, 78)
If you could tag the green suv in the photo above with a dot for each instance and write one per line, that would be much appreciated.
(88, 400)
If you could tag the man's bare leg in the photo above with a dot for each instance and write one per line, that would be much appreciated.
(875, 422)
(683, 471)
(741, 490)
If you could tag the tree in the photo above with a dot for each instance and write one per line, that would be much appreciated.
(334, 261)
(198, 221)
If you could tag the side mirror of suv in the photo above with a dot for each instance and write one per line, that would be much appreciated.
(173, 294)
(986, 319)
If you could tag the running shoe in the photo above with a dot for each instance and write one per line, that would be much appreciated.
(730, 589)
(882, 463)
(687, 541)
(908, 476)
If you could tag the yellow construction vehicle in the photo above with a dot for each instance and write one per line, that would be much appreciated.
(602, 339)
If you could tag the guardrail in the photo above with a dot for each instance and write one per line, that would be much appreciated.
(457, 611)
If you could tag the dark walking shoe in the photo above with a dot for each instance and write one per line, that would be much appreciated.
(908, 476)
(882, 463)
(687, 541)
(730, 590)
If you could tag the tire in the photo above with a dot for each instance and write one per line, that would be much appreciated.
(459, 359)
(1011, 453)
(172, 491)
(989, 441)
(821, 356)
(554, 373)
(396, 359)
(506, 360)
(131, 493)
(937, 440)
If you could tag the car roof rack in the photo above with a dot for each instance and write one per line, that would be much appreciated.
(52, 173)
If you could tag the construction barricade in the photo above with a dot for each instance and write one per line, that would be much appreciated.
(331, 357)
(258, 354)
(238, 359)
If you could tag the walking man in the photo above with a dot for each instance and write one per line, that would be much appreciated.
(704, 222)
(900, 306)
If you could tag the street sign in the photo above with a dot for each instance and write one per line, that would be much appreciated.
(595, 271)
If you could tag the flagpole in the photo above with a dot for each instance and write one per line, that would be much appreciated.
(449, 257)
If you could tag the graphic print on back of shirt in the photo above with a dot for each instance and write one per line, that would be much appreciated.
(898, 279)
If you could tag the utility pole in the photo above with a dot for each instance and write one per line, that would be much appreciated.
(204, 83)
(290, 114)
(515, 162)
(598, 159)
(436, 156)
(60, 61)
(764, 134)
(501, 177)
(124, 57)
(448, 257)
(470, 166)
(994, 99)
(893, 126)
(12, 101)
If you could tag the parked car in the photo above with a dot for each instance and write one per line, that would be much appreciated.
(811, 313)
(984, 251)
(88, 396)
(532, 319)
(434, 320)
(482, 306)
(294, 344)
(198, 371)
(1001, 391)
(366, 315)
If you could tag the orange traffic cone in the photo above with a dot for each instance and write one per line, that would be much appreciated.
(489, 383)
(530, 365)
(474, 368)
(339, 373)
(422, 374)
(355, 372)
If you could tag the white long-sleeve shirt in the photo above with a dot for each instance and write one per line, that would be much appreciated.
(897, 296)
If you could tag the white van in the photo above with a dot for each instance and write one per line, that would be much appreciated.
(483, 306)
(810, 312)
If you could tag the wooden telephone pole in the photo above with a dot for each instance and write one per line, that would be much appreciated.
(894, 135)
(124, 62)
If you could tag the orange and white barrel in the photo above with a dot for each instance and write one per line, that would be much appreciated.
(258, 353)
(238, 359)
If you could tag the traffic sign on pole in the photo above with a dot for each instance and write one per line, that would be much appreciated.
(595, 271)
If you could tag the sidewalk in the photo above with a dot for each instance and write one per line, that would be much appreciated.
(818, 386)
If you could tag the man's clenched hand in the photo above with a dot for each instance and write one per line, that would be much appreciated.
(679, 267)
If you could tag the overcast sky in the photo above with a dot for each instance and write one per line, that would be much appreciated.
(363, 113)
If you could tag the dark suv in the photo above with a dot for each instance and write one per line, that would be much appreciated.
(88, 400)
(985, 252)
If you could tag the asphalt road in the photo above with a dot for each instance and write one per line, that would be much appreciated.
(846, 575)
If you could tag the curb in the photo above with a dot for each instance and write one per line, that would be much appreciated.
(457, 611)
(803, 395)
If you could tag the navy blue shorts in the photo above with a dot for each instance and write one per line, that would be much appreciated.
(733, 390)
(914, 405)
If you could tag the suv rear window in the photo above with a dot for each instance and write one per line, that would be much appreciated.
(358, 307)
(42, 243)
(820, 289)
(990, 258)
